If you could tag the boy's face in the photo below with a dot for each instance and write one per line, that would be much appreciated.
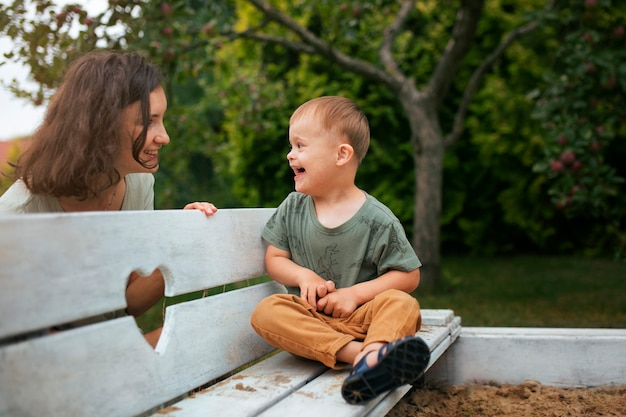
(313, 155)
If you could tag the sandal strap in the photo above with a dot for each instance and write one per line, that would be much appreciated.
(362, 365)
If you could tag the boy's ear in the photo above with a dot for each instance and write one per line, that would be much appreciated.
(345, 153)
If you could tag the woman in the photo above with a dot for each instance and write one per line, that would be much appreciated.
(97, 149)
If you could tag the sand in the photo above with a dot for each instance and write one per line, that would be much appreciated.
(529, 399)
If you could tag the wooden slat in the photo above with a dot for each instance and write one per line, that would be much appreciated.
(323, 395)
(284, 385)
(250, 391)
(211, 336)
(108, 369)
(57, 268)
(563, 357)
(78, 372)
(437, 317)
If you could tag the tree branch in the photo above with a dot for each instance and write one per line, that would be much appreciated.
(310, 42)
(294, 46)
(479, 73)
(389, 35)
(460, 42)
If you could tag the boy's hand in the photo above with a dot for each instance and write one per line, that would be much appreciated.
(337, 303)
(309, 285)
(325, 288)
(314, 288)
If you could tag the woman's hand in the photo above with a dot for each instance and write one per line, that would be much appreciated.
(207, 208)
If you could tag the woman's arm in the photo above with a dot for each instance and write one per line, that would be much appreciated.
(143, 292)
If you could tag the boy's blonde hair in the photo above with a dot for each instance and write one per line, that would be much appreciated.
(341, 116)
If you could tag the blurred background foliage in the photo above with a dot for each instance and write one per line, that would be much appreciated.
(539, 170)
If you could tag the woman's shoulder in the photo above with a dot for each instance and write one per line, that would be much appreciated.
(18, 199)
(14, 198)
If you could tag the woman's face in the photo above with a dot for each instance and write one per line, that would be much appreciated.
(132, 124)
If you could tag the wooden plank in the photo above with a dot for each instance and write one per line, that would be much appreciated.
(558, 357)
(108, 369)
(283, 384)
(322, 396)
(205, 338)
(79, 372)
(434, 325)
(437, 317)
(250, 391)
(43, 280)
(57, 268)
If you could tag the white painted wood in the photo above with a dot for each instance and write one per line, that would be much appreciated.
(252, 390)
(108, 369)
(101, 370)
(57, 268)
(390, 401)
(322, 396)
(557, 357)
(205, 338)
(284, 385)
(437, 317)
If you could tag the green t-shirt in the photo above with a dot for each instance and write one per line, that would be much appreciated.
(371, 243)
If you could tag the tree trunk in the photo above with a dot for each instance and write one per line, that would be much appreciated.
(427, 211)
(428, 152)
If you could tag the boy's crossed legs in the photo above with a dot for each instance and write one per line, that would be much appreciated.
(377, 339)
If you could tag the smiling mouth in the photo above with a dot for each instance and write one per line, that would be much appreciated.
(150, 159)
(150, 155)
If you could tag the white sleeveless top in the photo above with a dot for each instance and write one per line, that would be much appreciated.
(18, 199)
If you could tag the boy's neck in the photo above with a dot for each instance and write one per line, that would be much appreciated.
(335, 209)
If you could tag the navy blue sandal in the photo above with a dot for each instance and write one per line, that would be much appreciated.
(399, 363)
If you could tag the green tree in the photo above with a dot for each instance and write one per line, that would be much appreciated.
(434, 79)
(492, 204)
(378, 40)
(581, 107)
(509, 209)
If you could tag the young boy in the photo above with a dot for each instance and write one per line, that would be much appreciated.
(345, 260)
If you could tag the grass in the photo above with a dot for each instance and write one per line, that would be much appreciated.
(532, 291)
(522, 291)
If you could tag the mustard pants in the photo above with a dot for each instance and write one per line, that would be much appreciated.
(290, 323)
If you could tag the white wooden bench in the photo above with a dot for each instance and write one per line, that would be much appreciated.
(60, 268)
